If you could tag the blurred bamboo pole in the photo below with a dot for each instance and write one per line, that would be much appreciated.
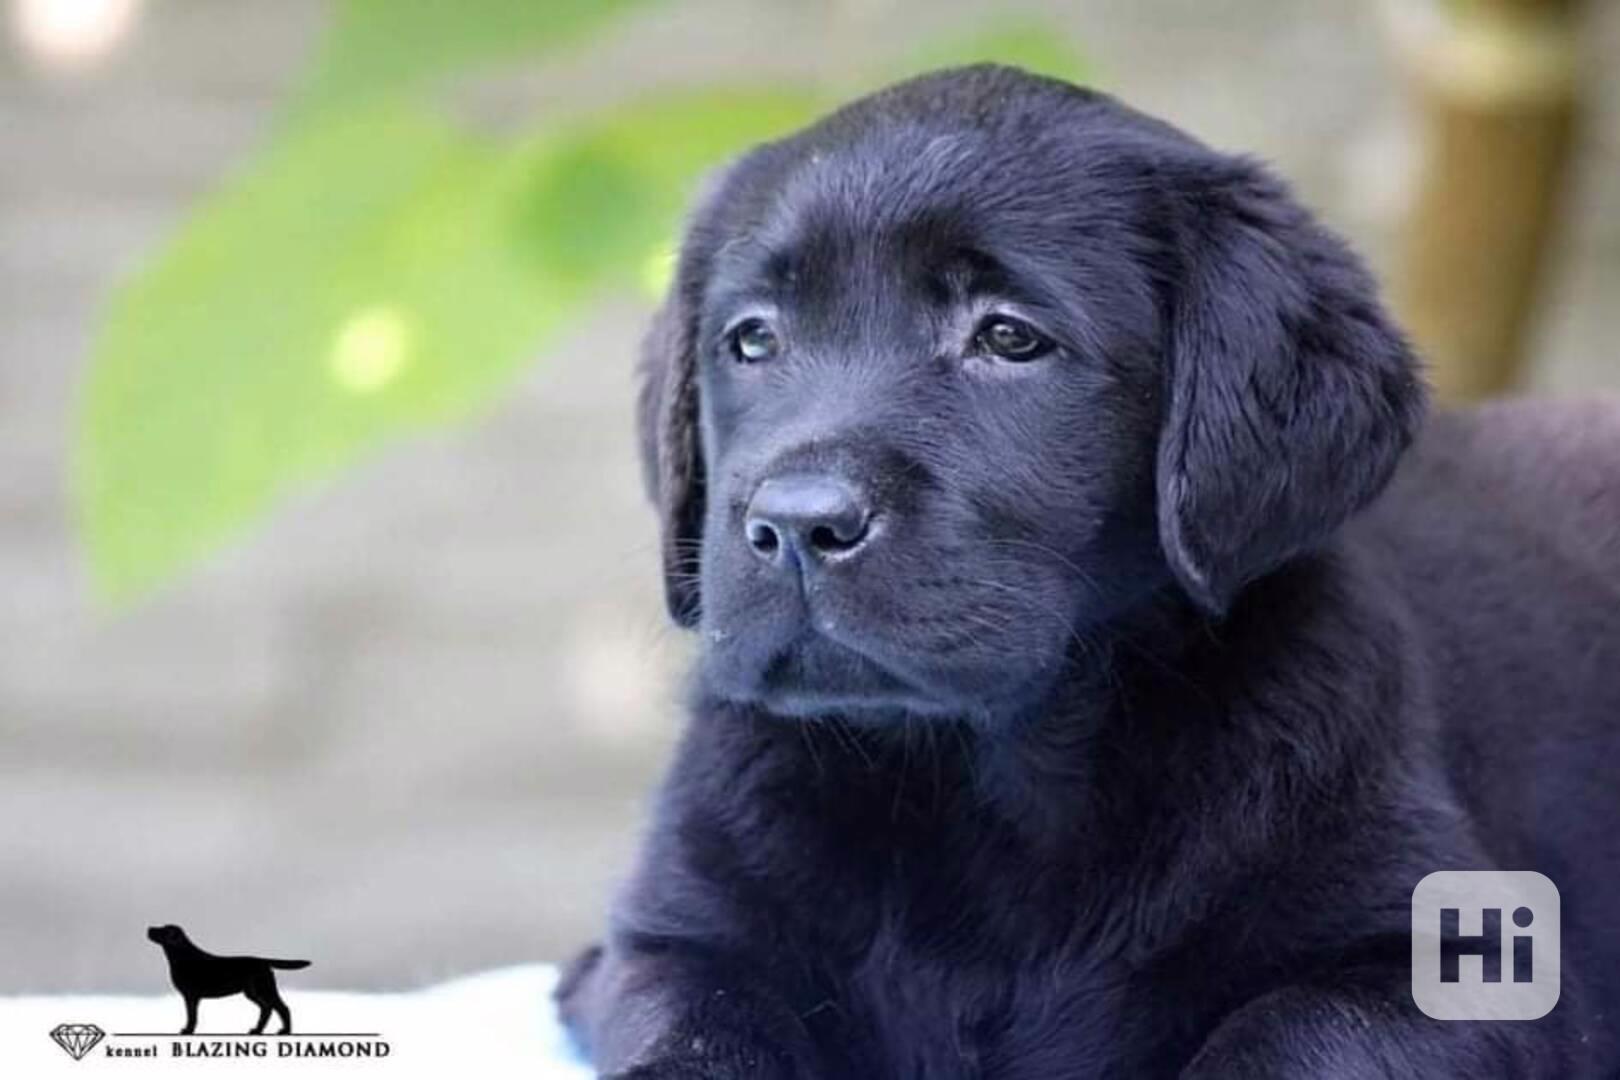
(1499, 87)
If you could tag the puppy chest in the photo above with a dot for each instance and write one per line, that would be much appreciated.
(1043, 1018)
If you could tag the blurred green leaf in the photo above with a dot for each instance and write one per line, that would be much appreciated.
(360, 280)
(379, 47)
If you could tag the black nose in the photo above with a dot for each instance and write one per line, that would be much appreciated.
(808, 518)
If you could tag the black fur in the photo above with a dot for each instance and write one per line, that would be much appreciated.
(1121, 744)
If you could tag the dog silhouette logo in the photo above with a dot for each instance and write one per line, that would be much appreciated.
(197, 974)
(77, 1039)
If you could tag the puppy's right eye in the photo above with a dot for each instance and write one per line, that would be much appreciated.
(1010, 339)
(753, 341)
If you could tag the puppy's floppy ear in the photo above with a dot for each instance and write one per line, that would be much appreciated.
(1290, 394)
(671, 454)
(668, 406)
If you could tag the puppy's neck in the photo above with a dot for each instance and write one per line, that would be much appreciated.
(1142, 714)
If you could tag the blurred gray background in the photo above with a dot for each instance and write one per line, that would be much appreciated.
(407, 728)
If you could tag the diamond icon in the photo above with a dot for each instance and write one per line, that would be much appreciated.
(77, 1039)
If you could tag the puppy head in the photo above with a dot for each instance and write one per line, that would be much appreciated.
(165, 935)
(951, 380)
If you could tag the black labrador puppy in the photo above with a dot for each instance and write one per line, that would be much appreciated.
(197, 974)
(1098, 646)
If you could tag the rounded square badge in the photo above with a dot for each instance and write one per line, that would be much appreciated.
(1485, 945)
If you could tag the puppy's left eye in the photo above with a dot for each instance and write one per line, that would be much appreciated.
(753, 342)
(1007, 338)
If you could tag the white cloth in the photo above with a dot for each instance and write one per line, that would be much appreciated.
(490, 1026)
